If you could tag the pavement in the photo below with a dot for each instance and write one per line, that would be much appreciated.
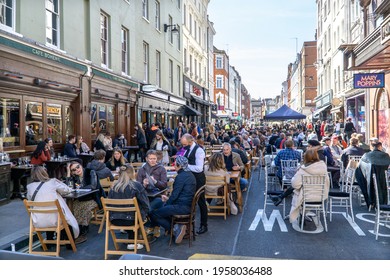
(250, 234)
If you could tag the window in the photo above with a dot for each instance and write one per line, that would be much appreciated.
(145, 9)
(10, 122)
(146, 61)
(178, 72)
(190, 21)
(170, 22)
(104, 38)
(178, 38)
(196, 30)
(170, 73)
(199, 36)
(185, 57)
(125, 57)
(200, 71)
(185, 14)
(178, 4)
(52, 22)
(104, 116)
(196, 68)
(7, 15)
(34, 124)
(54, 122)
(190, 64)
(157, 23)
(219, 81)
(158, 69)
(219, 62)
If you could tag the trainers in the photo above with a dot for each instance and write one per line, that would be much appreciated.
(180, 234)
(131, 246)
(80, 239)
(149, 230)
(123, 231)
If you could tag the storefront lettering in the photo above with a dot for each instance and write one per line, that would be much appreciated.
(46, 55)
(369, 80)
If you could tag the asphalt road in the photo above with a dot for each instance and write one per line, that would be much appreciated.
(251, 234)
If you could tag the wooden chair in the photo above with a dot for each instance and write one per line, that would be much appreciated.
(189, 219)
(98, 214)
(137, 165)
(128, 206)
(217, 181)
(40, 209)
(248, 168)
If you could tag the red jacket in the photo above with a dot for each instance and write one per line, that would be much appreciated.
(44, 156)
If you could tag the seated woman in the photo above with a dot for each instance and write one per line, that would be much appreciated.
(312, 165)
(49, 143)
(81, 146)
(82, 208)
(41, 154)
(45, 189)
(125, 188)
(99, 143)
(117, 160)
(216, 167)
(180, 201)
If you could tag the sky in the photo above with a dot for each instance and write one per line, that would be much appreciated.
(262, 37)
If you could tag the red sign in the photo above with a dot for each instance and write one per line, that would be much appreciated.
(235, 114)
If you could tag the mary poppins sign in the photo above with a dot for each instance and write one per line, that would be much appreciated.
(369, 80)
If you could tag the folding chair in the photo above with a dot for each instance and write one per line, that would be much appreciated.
(382, 210)
(289, 168)
(272, 187)
(129, 206)
(313, 188)
(41, 210)
(343, 198)
(217, 181)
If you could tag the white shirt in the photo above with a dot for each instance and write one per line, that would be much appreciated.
(199, 159)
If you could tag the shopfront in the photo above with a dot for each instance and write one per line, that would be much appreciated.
(198, 99)
(383, 119)
(356, 110)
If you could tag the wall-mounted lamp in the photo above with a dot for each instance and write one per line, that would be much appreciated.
(174, 29)
(97, 91)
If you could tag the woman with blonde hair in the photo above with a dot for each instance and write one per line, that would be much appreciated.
(81, 146)
(160, 143)
(99, 142)
(126, 188)
(216, 167)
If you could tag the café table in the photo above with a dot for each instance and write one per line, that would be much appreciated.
(53, 166)
(17, 173)
(76, 194)
(86, 158)
(236, 175)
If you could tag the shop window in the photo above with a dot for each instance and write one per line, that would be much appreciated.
(9, 122)
(69, 121)
(102, 119)
(383, 119)
(54, 122)
(33, 123)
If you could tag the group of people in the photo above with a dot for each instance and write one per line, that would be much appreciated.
(324, 154)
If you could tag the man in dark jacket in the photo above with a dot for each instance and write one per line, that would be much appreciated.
(70, 148)
(97, 164)
(180, 201)
(353, 149)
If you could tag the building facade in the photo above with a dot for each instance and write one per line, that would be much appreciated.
(221, 83)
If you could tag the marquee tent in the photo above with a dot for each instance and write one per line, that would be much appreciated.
(285, 113)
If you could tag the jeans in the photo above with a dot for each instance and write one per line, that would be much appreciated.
(243, 183)
(162, 216)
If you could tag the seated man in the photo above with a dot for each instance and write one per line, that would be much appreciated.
(70, 147)
(289, 153)
(97, 164)
(233, 162)
(352, 150)
(333, 165)
(180, 201)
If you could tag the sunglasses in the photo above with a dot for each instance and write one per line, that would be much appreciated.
(74, 169)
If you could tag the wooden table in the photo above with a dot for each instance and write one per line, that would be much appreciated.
(72, 196)
(86, 158)
(236, 175)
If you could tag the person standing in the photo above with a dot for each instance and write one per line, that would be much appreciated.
(349, 129)
(141, 141)
(196, 156)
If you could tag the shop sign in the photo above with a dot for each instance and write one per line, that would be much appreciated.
(369, 80)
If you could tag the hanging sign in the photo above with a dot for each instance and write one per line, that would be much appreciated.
(369, 80)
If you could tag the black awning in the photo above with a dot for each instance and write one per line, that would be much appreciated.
(185, 110)
(200, 100)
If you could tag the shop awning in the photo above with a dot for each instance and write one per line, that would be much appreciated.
(186, 110)
(317, 112)
(200, 100)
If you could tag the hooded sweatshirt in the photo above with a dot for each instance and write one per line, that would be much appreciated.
(102, 171)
